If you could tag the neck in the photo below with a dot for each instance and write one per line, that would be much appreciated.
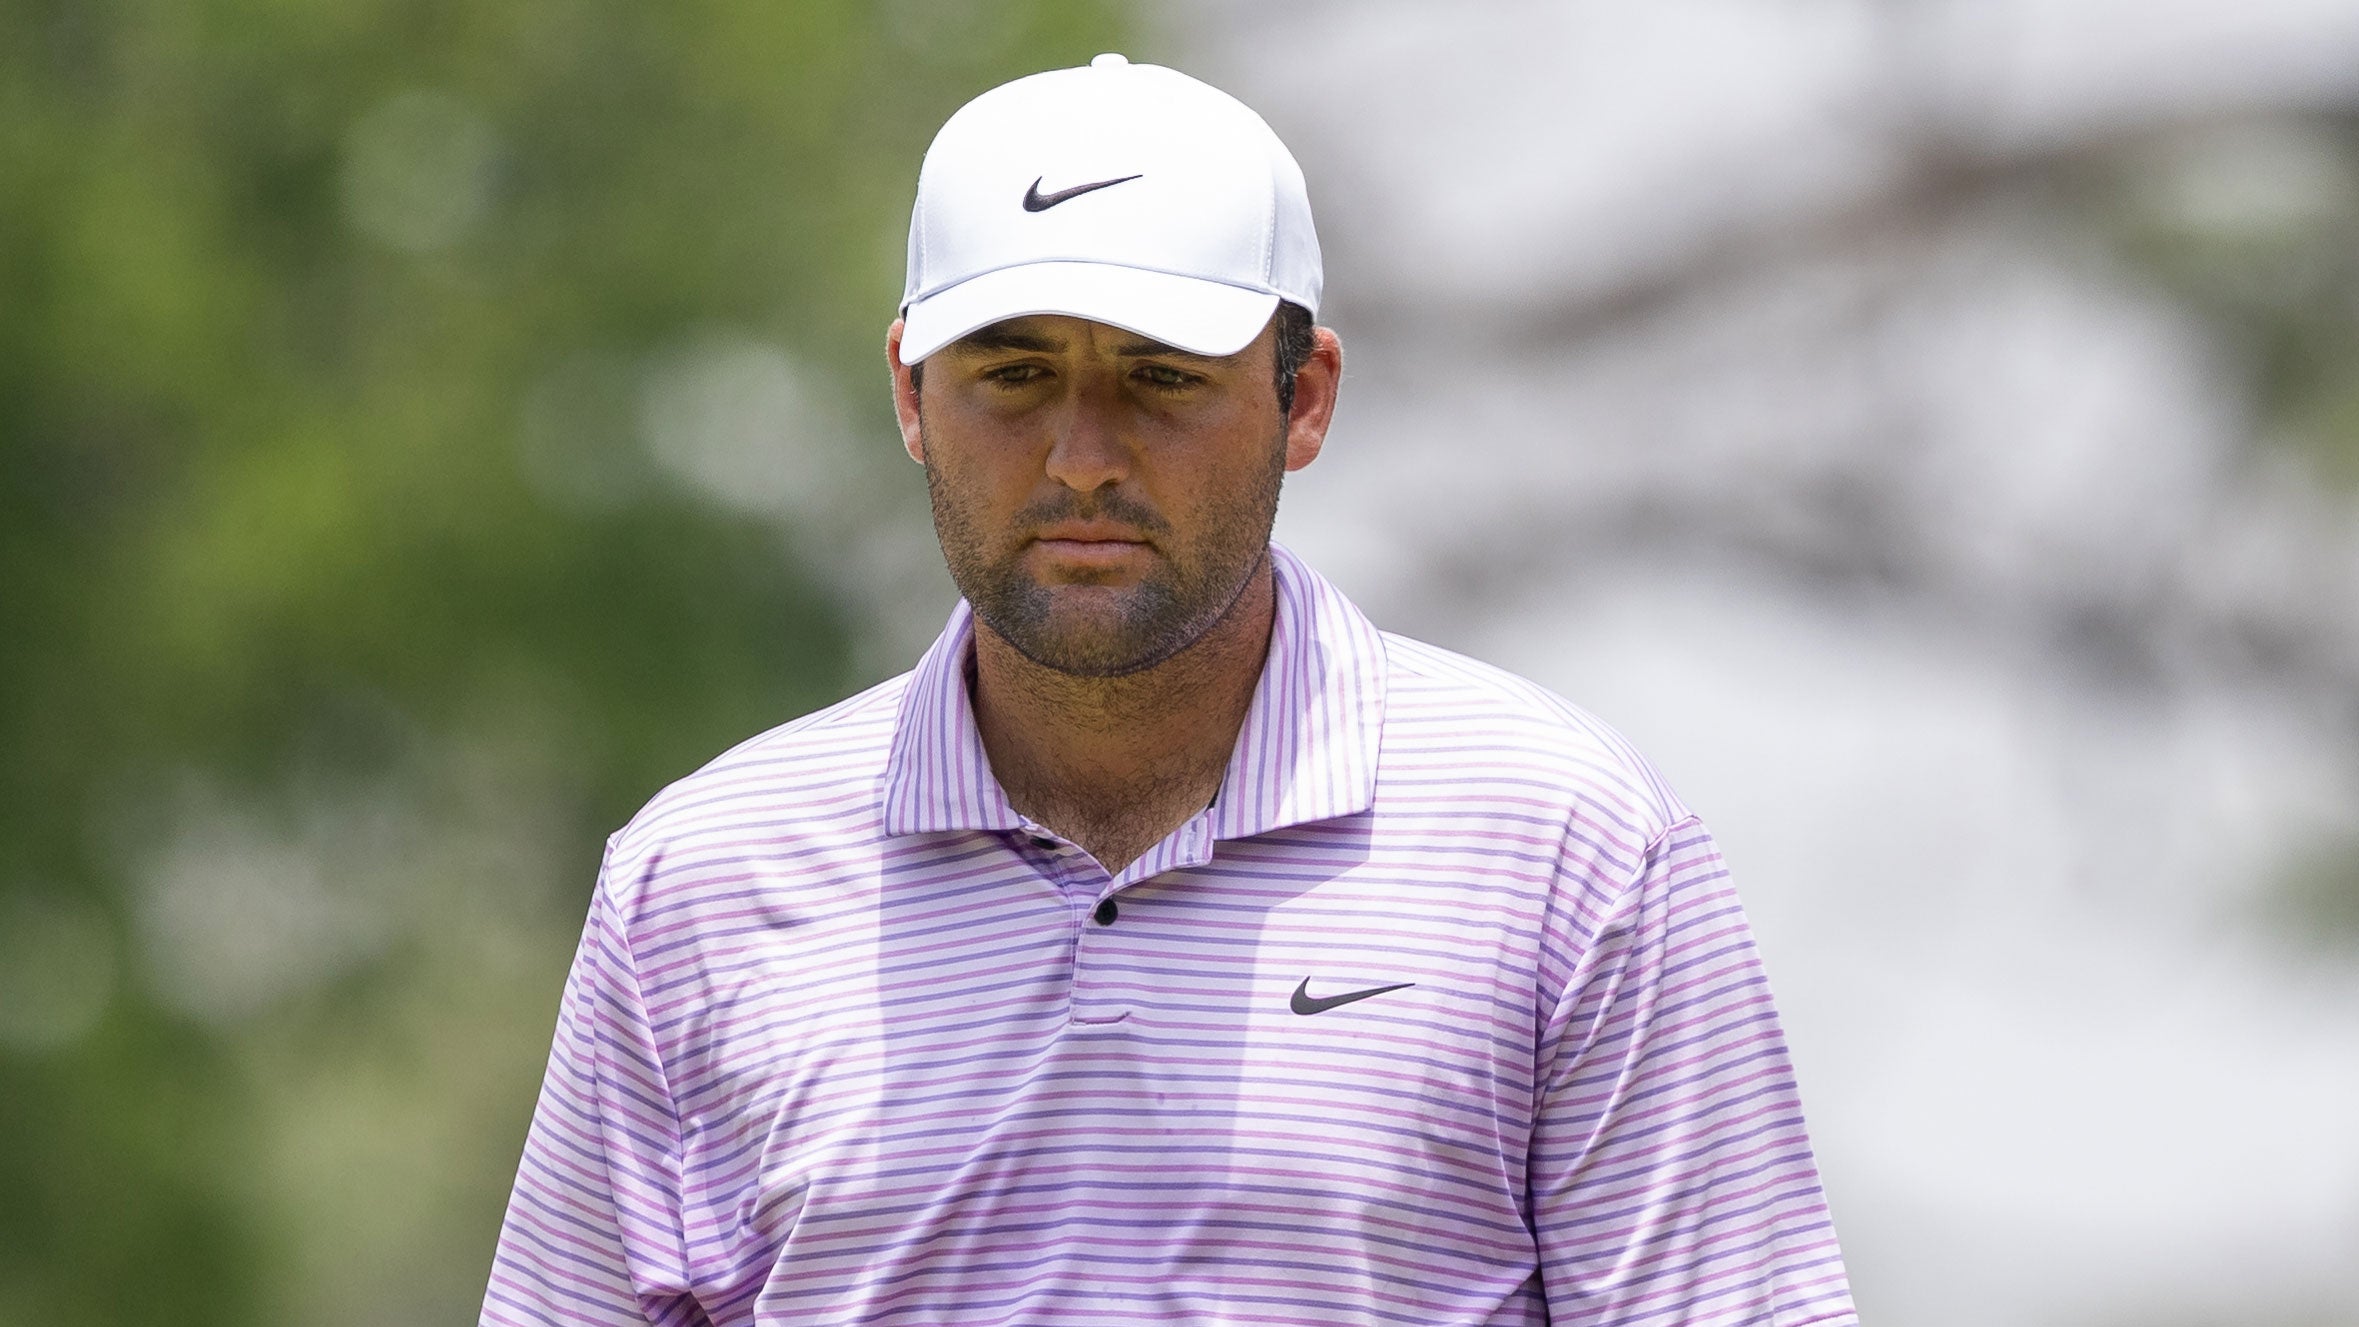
(1116, 763)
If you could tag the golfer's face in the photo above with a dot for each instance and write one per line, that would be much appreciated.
(1101, 498)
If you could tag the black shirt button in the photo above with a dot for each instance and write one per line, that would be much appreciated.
(1044, 843)
(1106, 912)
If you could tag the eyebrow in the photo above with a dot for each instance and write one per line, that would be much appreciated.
(1002, 336)
(1130, 349)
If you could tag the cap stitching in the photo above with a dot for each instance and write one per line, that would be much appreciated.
(1269, 225)
(921, 228)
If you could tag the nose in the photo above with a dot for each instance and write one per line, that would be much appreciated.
(1088, 451)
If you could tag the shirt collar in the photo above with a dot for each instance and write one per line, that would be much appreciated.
(1306, 752)
(938, 776)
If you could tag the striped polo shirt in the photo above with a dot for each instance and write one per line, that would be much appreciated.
(1442, 1013)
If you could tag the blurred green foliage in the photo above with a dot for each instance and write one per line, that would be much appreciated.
(2254, 223)
(315, 702)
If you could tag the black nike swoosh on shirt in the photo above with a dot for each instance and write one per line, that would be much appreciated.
(1036, 201)
(1304, 1003)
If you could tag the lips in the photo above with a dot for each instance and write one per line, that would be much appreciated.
(1088, 545)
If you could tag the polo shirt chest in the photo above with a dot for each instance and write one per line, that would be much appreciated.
(1290, 1028)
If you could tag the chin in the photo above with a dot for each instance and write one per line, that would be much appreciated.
(1087, 631)
(1092, 648)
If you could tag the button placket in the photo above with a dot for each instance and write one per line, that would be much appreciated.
(1113, 928)
(1102, 932)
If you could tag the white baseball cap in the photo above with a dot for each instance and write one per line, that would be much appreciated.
(1125, 194)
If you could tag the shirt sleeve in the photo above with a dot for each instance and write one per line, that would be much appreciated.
(593, 1231)
(1671, 1178)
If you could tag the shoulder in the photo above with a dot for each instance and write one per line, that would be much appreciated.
(818, 771)
(1460, 720)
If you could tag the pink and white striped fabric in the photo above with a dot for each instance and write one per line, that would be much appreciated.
(1443, 1013)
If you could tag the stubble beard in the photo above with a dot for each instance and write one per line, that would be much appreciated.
(1128, 629)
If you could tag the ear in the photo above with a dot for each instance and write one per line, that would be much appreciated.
(1315, 387)
(904, 396)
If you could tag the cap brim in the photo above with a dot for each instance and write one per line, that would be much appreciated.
(1191, 314)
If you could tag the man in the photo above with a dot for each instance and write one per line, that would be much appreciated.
(1170, 946)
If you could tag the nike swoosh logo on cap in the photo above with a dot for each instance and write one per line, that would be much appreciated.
(1036, 201)
(1305, 1003)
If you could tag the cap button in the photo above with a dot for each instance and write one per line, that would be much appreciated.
(1109, 60)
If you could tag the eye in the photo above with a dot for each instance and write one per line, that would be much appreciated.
(1014, 375)
(1163, 377)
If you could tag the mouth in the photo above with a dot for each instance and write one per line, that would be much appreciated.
(1089, 545)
